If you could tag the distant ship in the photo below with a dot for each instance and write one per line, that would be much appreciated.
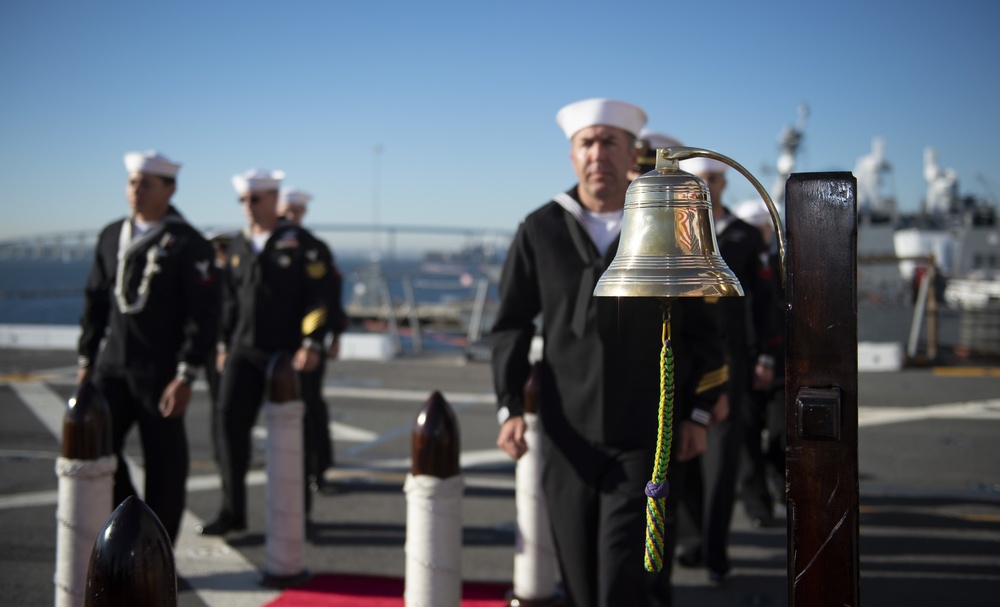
(959, 230)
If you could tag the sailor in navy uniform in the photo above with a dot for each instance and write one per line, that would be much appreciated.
(319, 451)
(275, 300)
(599, 386)
(710, 485)
(153, 293)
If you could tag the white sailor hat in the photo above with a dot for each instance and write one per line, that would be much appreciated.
(606, 112)
(754, 212)
(257, 180)
(703, 166)
(152, 163)
(294, 196)
(657, 140)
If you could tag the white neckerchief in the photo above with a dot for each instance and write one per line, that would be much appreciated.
(602, 228)
(722, 224)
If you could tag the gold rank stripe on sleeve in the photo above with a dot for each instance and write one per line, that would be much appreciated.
(313, 320)
(713, 379)
(316, 270)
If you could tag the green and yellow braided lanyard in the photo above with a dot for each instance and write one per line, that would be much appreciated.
(657, 489)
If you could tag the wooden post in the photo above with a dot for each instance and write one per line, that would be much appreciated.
(86, 469)
(284, 526)
(435, 440)
(86, 428)
(821, 390)
(434, 490)
(535, 564)
(132, 562)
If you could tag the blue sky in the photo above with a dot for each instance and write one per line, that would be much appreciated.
(462, 97)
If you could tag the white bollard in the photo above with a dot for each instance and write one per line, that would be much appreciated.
(534, 558)
(433, 541)
(434, 491)
(85, 503)
(285, 524)
(86, 470)
(285, 519)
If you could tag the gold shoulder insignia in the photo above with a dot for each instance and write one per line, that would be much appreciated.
(316, 270)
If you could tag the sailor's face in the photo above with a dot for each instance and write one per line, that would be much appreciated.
(292, 211)
(260, 207)
(716, 182)
(148, 195)
(602, 157)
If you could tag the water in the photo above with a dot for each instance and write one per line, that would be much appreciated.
(50, 292)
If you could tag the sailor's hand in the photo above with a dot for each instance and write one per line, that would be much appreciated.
(692, 440)
(83, 374)
(334, 350)
(305, 359)
(720, 410)
(175, 399)
(220, 362)
(511, 438)
(763, 375)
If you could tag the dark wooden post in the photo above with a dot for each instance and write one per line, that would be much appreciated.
(435, 441)
(821, 390)
(86, 428)
(132, 562)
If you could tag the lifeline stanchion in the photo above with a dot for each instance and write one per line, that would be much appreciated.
(534, 558)
(86, 469)
(285, 527)
(132, 562)
(433, 509)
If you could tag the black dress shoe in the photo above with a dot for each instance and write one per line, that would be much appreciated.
(690, 557)
(718, 577)
(223, 524)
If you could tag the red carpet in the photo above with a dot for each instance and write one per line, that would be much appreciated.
(371, 591)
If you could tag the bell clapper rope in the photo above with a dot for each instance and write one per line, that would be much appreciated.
(658, 488)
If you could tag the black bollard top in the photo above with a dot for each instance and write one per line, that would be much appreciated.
(435, 439)
(281, 379)
(531, 389)
(132, 562)
(86, 431)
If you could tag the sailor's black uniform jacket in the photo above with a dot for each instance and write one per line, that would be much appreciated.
(155, 299)
(601, 359)
(277, 299)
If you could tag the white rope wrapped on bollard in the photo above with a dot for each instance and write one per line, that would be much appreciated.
(433, 541)
(86, 471)
(535, 555)
(85, 502)
(285, 526)
(434, 490)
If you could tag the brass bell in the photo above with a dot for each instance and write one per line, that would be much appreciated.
(668, 246)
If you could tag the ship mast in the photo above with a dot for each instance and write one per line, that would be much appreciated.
(790, 140)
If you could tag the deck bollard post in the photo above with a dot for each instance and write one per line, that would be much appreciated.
(132, 562)
(284, 526)
(434, 509)
(534, 556)
(86, 469)
(821, 390)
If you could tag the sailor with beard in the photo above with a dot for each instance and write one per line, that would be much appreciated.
(153, 294)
